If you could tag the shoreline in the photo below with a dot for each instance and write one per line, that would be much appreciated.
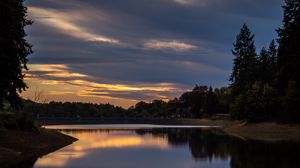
(153, 121)
(24, 148)
(264, 131)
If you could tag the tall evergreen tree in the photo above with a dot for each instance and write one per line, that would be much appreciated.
(14, 50)
(264, 65)
(273, 53)
(244, 70)
(267, 64)
(289, 50)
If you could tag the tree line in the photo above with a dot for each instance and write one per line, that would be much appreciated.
(202, 101)
(266, 86)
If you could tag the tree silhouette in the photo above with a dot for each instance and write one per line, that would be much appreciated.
(289, 40)
(243, 75)
(267, 64)
(14, 50)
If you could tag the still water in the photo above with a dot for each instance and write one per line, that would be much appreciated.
(148, 146)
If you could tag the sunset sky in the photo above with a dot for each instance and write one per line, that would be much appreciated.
(124, 51)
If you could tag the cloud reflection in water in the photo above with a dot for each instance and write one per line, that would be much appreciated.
(97, 140)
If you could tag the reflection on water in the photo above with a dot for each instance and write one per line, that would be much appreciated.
(167, 147)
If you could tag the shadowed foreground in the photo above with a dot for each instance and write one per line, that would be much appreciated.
(23, 148)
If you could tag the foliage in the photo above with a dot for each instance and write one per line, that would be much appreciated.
(14, 50)
(203, 101)
(237, 107)
(276, 73)
(255, 102)
(289, 40)
(195, 100)
(267, 64)
(157, 108)
(71, 110)
(260, 102)
(18, 121)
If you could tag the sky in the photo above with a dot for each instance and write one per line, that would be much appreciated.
(124, 51)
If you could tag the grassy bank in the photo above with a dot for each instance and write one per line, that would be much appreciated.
(22, 141)
(266, 131)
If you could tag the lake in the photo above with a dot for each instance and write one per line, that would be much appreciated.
(154, 146)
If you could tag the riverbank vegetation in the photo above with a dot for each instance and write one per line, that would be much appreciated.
(12, 121)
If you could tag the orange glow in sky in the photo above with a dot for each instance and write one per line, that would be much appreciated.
(57, 82)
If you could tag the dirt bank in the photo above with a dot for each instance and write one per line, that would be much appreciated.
(266, 131)
(24, 148)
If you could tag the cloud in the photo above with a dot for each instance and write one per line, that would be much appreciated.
(132, 95)
(202, 3)
(160, 87)
(52, 71)
(184, 2)
(53, 92)
(83, 85)
(169, 45)
(64, 23)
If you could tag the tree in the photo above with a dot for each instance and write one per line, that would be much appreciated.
(260, 102)
(196, 100)
(237, 107)
(243, 75)
(14, 50)
(289, 50)
(267, 64)
(264, 65)
(223, 98)
(211, 102)
(273, 54)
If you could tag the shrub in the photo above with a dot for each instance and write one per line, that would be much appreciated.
(18, 121)
(258, 103)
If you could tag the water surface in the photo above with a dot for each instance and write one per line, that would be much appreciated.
(148, 146)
